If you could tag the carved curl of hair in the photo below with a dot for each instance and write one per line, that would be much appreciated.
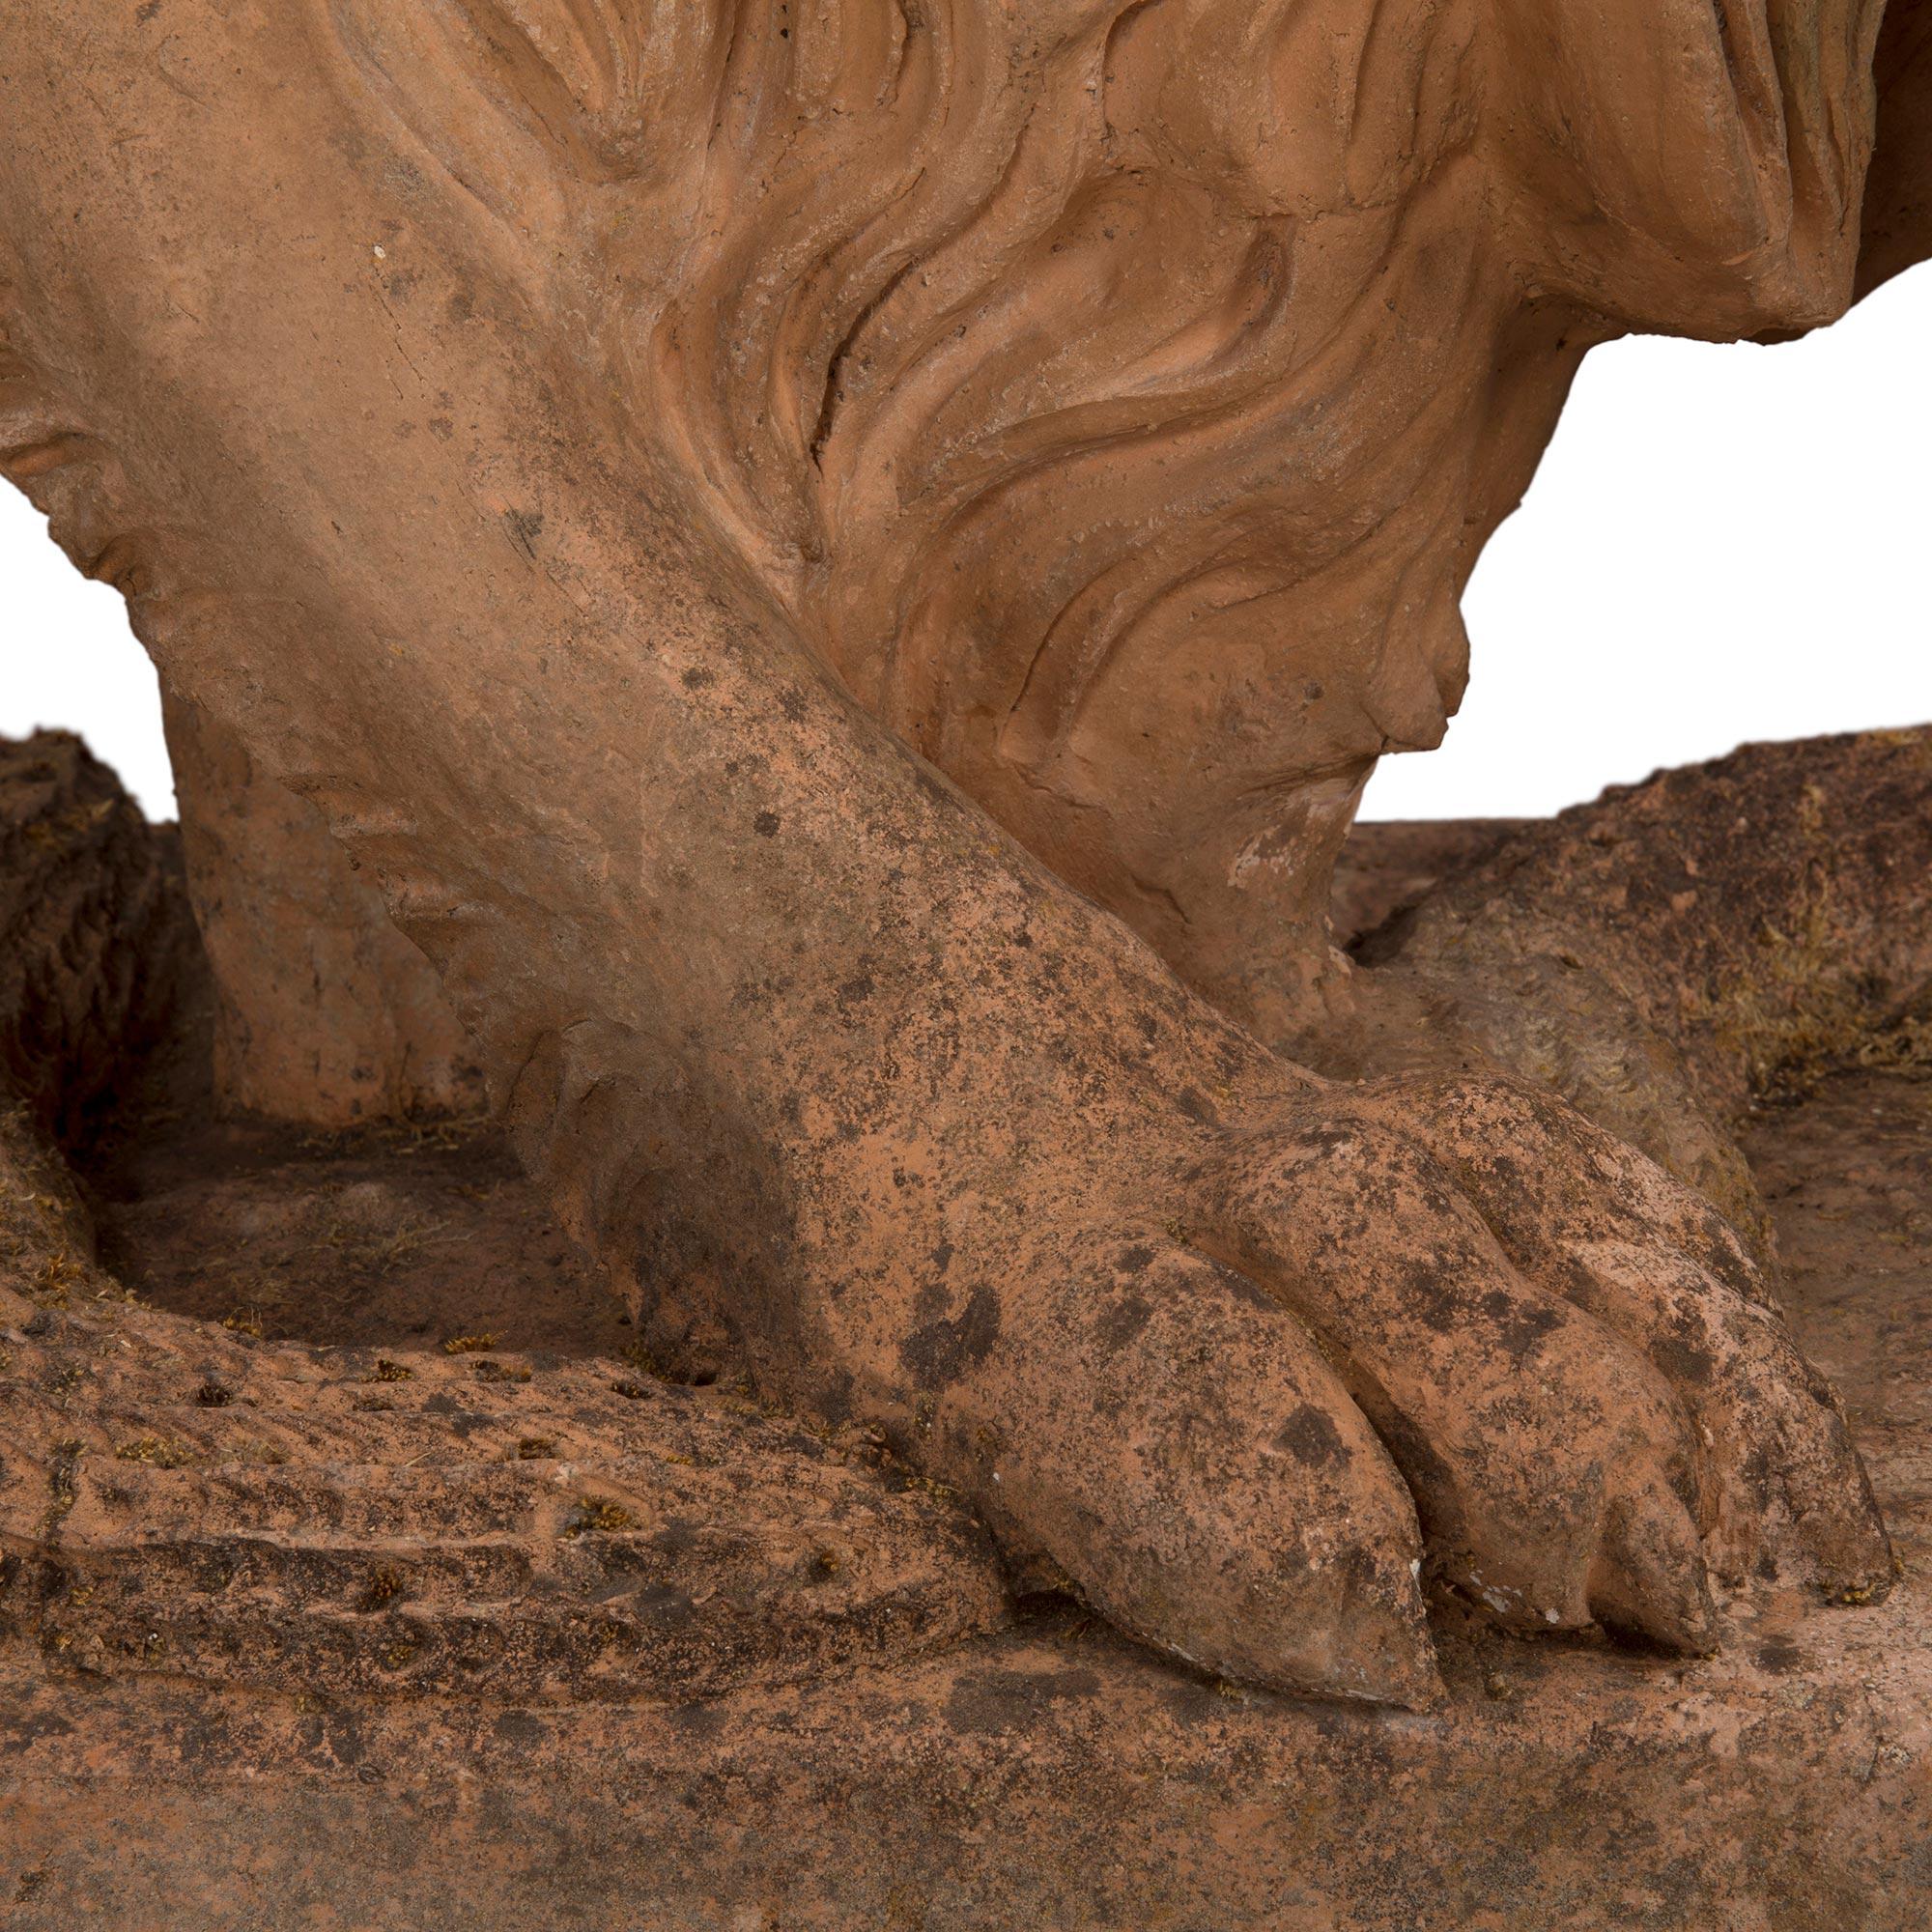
(1015, 346)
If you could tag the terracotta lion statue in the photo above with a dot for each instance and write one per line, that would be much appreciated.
(843, 565)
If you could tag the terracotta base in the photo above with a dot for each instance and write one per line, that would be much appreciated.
(1041, 1773)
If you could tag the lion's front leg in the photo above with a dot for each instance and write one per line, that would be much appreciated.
(831, 1074)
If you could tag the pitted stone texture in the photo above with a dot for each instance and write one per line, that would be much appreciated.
(94, 937)
(1052, 1775)
(179, 1500)
(639, 444)
(1673, 951)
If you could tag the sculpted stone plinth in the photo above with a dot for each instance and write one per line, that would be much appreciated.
(842, 570)
(363, 1572)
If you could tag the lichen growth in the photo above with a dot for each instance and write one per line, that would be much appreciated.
(158, 1452)
(383, 1587)
(601, 1515)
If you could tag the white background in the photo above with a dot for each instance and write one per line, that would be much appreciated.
(1723, 544)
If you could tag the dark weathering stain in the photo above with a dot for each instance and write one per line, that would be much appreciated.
(1682, 1361)
(525, 527)
(942, 1351)
(1312, 1437)
(766, 824)
(1123, 1321)
(677, 1538)
(997, 1701)
(1520, 1325)
(665, 1605)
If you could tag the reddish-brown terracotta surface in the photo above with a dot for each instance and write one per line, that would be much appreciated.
(1898, 198)
(369, 1422)
(325, 1014)
(739, 516)
(330, 1626)
(1659, 957)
